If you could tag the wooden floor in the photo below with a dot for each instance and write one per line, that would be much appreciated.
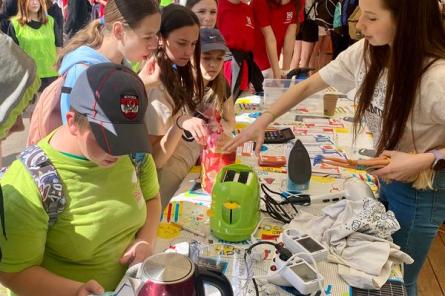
(432, 276)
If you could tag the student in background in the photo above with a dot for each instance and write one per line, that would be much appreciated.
(306, 38)
(236, 23)
(176, 135)
(8, 9)
(128, 31)
(55, 11)
(36, 33)
(79, 15)
(111, 212)
(276, 26)
(217, 102)
(401, 91)
(97, 8)
(206, 10)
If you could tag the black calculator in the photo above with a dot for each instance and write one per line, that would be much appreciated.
(279, 136)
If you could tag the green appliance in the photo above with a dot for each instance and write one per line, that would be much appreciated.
(235, 210)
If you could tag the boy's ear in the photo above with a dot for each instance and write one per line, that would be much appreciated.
(72, 126)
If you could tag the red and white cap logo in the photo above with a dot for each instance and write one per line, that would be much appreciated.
(129, 106)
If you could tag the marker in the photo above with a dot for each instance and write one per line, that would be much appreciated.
(177, 212)
(169, 212)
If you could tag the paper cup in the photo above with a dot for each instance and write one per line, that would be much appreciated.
(329, 104)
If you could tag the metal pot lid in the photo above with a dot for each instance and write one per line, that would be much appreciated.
(168, 268)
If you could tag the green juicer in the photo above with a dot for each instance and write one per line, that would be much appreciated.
(235, 203)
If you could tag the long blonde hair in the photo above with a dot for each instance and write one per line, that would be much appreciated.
(23, 13)
(217, 93)
(130, 12)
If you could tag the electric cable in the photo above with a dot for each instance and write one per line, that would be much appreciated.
(276, 209)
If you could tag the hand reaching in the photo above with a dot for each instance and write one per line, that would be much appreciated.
(195, 126)
(254, 132)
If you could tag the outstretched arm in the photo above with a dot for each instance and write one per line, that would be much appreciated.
(290, 98)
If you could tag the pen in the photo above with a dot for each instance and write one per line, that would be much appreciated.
(188, 229)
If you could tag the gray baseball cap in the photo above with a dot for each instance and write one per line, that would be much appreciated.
(113, 99)
(211, 39)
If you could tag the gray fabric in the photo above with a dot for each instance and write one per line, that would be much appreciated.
(17, 73)
(358, 235)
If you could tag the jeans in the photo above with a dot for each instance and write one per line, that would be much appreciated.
(420, 214)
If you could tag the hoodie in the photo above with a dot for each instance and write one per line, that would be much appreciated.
(74, 64)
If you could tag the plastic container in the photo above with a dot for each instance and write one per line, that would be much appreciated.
(274, 88)
(212, 162)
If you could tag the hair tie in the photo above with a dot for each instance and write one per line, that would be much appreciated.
(102, 21)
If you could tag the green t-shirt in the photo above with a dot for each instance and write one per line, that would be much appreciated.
(105, 208)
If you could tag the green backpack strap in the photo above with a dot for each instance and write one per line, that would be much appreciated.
(47, 180)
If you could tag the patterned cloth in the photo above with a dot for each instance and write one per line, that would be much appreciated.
(358, 235)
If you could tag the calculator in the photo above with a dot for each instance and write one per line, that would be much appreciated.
(278, 136)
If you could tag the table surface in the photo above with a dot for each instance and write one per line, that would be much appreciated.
(321, 136)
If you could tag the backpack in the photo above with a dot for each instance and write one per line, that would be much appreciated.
(47, 115)
(49, 183)
(343, 11)
(324, 12)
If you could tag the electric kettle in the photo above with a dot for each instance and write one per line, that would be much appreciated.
(172, 274)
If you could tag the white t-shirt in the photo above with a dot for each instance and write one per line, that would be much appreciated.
(159, 118)
(347, 71)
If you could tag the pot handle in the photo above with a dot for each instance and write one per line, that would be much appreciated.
(215, 278)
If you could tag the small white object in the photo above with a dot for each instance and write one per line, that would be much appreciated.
(299, 242)
(300, 274)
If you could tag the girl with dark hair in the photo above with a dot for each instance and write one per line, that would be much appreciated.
(276, 26)
(206, 11)
(127, 31)
(36, 33)
(174, 131)
(399, 71)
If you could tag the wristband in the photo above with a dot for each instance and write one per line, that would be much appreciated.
(271, 114)
(177, 121)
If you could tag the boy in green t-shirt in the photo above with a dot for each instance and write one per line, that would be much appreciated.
(111, 213)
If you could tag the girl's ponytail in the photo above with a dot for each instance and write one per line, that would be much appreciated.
(90, 36)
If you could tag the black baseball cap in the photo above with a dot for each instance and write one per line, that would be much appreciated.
(113, 99)
(211, 39)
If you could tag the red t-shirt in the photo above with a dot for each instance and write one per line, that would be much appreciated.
(279, 18)
(235, 21)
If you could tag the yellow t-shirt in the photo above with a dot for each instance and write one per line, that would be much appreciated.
(105, 208)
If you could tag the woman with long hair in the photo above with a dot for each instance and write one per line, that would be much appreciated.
(399, 71)
(127, 32)
(36, 33)
(174, 127)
